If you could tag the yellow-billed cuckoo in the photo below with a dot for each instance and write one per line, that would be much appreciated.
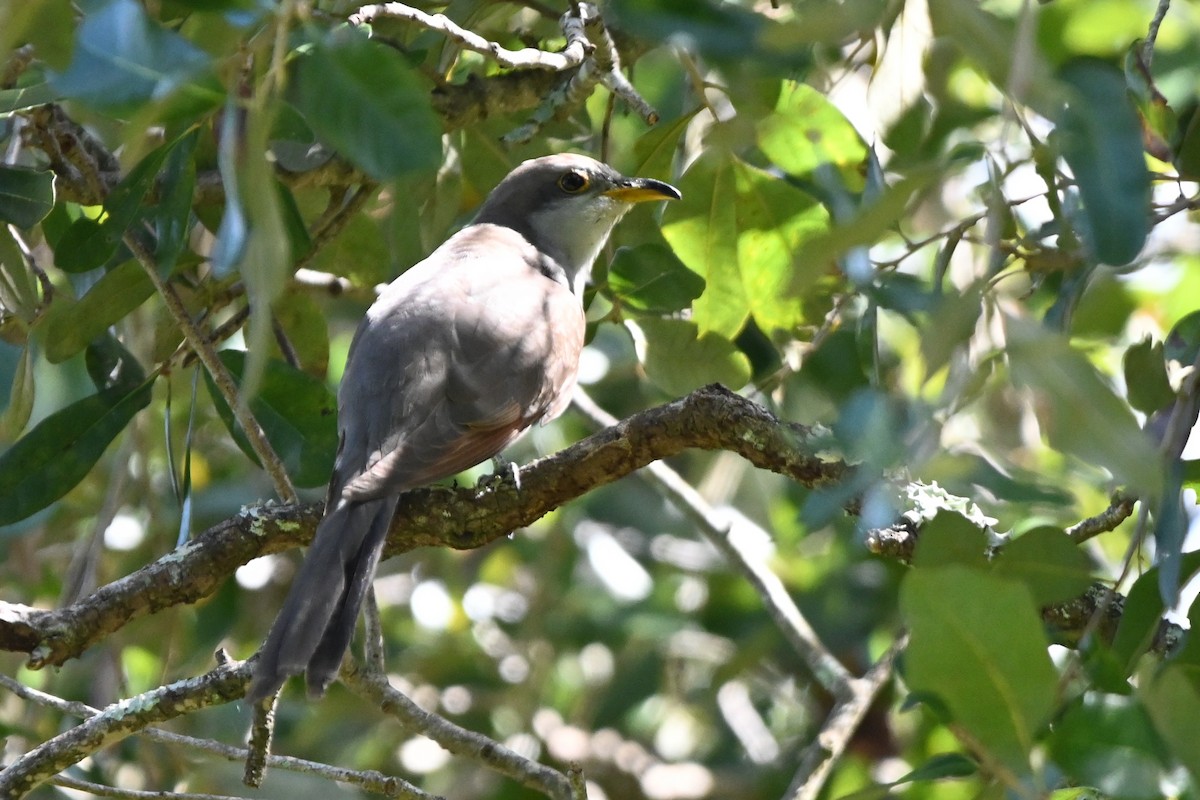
(455, 359)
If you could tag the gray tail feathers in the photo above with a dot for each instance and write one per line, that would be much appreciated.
(315, 625)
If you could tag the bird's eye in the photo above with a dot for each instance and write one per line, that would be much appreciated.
(573, 182)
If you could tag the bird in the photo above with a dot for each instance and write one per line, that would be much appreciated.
(453, 361)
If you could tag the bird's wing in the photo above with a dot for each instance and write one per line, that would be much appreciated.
(453, 363)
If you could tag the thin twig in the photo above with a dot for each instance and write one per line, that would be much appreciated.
(526, 58)
(1152, 32)
(220, 375)
(100, 790)
(376, 690)
(828, 671)
(1117, 512)
(825, 751)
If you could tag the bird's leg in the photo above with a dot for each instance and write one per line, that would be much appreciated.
(500, 464)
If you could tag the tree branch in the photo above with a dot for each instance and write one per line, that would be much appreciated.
(465, 517)
(374, 687)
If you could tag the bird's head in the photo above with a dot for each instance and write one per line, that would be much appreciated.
(566, 205)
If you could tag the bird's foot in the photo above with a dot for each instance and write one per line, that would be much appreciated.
(500, 464)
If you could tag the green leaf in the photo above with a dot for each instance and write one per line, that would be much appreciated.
(702, 230)
(1079, 412)
(127, 200)
(1183, 342)
(950, 325)
(948, 539)
(18, 285)
(67, 328)
(90, 243)
(45, 24)
(363, 100)
(977, 643)
(26, 97)
(172, 216)
(1107, 741)
(26, 195)
(111, 365)
(302, 321)
(1101, 140)
(656, 148)
(16, 414)
(775, 220)
(943, 765)
(59, 452)
(123, 59)
(1143, 611)
(807, 131)
(1146, 380)
(742, 230)
(296, 411)
(85, 245)
(650, 278)
(990, 41)
(1173, 703)
(679, 359)
(1048, 563)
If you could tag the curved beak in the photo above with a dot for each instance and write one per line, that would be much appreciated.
(641, 190)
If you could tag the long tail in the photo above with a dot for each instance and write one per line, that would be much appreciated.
(315, 625)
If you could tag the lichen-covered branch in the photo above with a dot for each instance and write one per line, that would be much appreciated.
(225, 683)
(712, 418)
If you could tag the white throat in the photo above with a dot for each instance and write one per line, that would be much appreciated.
(574, 232)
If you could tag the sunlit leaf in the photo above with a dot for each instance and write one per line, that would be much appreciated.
(745, 231)
(807, 130)
(679, 359)
(58, 453)
(702, 230)
(775, 221)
